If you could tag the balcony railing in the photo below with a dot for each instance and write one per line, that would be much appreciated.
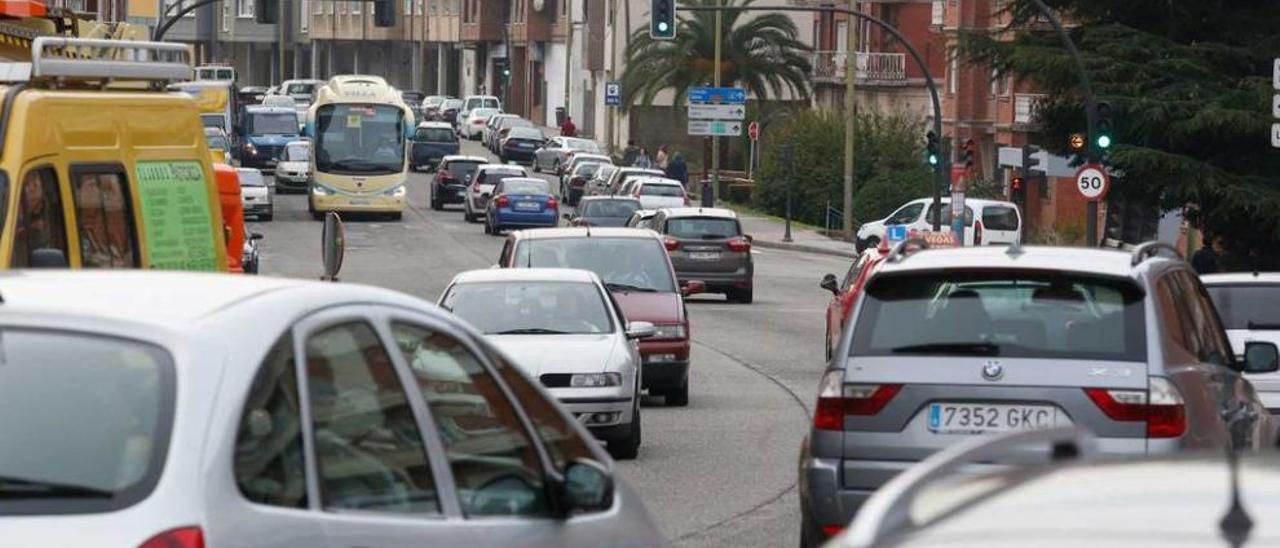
(1026, 108)
(872, 68)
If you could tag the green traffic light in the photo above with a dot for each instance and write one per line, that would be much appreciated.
(662, 26)
(1104, 141)
(933, 159)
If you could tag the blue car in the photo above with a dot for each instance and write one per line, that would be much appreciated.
(520, 202)
(263, 133)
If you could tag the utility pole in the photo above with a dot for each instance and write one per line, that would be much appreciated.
(715, 140)
(850, 115)
(608, 74)
(281, 22)
(568, 55)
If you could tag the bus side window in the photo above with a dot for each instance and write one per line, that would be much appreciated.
(105, 219)
(41, 224)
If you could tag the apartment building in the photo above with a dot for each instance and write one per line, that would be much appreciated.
(345, 40)
(444, 55)
(227, 32)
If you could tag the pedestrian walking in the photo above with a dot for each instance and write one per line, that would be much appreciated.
(1205, 260)
(676, 169)
(629, 155)
(567, 129)
(660, 161)
(642, 160)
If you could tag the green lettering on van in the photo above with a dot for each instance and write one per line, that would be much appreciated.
(176, 216)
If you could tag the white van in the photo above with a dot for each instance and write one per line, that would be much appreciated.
(473, 102)
(987, 222)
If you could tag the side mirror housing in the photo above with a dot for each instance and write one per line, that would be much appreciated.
(587, 487)
(749, 238)
(1261, 357)
(693, 287)
(830, 283)
(641, 330)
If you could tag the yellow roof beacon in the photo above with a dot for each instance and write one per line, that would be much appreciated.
(99, 166)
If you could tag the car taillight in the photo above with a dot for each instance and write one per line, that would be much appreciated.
(182, 537)
(444, 176)
(977, 233)
(1161, 406)
(552, 203)
(502, 201)
(577, 181)
(671, 243)
(837, 400)
(739, 245)
(478, 122)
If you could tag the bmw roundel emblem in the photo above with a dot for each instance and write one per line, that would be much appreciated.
(992, 371)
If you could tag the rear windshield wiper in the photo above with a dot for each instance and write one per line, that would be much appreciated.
(1263, 325)
(971, 348)
(531, 331)
(27, 488)
(626, 287)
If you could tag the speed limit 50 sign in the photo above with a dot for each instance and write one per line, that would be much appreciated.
(1092, 182)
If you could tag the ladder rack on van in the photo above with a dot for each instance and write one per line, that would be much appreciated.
(59, 59)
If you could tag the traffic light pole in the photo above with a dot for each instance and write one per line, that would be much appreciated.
(942, 171)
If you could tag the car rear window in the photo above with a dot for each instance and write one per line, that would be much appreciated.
(1001, 314)
(86, 421)
(999, 218)
(526, 187)
(609, 208)
(661, 190)
(251, 178)
(587, 170)
(1239, 306)
(637, 263)
(525, 133)
(702, 228)
(436, 135)
(462, 168)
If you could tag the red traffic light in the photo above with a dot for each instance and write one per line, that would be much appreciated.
(1016, 184)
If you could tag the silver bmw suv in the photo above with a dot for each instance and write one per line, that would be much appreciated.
(952, 343)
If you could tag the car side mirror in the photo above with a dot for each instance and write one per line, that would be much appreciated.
(255, 236)
(1261, 357)
(47, 257)
(830, 283)
(641, 330)
(693, 287)
(587, 487)
(749, 238)
(568, 216)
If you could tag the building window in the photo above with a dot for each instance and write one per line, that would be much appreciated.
(939, 13)
(226, 17)
(953, 76)
(317, 8)
(420, 8)
(244, 8)
(355, 8)
(304, 17)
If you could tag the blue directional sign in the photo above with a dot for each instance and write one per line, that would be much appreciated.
(612, 94)
(724, 96)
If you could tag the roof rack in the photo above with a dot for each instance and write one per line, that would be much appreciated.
(60, 58)
(1149, 250)
(888, 511)
(899, 251)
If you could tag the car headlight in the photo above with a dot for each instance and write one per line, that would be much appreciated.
(321, 190)
(252, 150)
(595, 380)
(395, 191)
(669, 332)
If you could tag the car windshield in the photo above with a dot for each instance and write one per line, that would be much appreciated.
(251, 177)
(530, 308)
(297, 152)
(702, 228)
(304, 89)
(453, 104)
(525, 133)
(581, 144)
(525, 187)
(661, 190)
(626, 263)
(608, 208)
(1006, 314)
(217, 141)
(353, 139)
(490, 103)
(273, 123)
(87, 421)
(433, 100)
(435, 135)
(1242, 306)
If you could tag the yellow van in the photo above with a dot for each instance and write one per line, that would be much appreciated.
(106, 178)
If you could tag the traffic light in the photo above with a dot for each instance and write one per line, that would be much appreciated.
(267, 13)
(1030, 160)
(384, 13)
(662, 19)
(966, 154)
(503, 67)
(1102, 136)
(932, 152)
(1017, 183)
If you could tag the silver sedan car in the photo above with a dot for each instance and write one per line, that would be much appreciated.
(172, 409)
(562, 328)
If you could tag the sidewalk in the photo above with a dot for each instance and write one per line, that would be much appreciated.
(768, 233)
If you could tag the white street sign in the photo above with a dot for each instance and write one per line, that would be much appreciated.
(1275, 135)
(1275, 75)
(715, 128)
(1092, 182)
(717, 112)
(1275, 106)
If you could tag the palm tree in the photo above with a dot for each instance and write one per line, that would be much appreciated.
(759, 53)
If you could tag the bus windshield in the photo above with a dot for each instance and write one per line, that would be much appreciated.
(359, 139)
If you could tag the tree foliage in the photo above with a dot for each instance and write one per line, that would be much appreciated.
(762, 53)
(889, 165)
(1189, 85)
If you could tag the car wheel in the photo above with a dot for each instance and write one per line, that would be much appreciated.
(536, 167)
(396, 216)
(742, 296)
(679, 396)
(487, 228)
(871, 242)
(466, 214)
(627, 448)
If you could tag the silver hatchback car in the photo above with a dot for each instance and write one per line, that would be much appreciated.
(168, 409)
(951, 343)
(707, 244)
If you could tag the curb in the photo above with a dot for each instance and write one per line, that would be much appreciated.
(805, 248)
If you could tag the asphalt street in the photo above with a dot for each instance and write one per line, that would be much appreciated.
(720, 472)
